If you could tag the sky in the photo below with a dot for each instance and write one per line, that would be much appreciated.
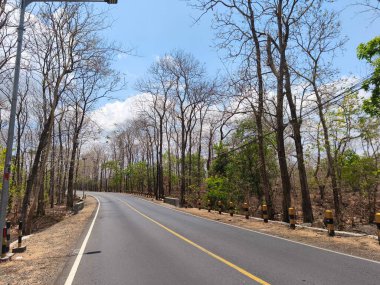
(155, 27)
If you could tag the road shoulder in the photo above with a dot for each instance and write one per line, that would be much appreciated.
(48, 251)
(362, 247)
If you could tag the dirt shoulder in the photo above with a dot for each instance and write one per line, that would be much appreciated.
(47, 251)
(365, 247)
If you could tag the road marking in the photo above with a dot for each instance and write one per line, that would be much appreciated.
(217, 257)
(261, 233)
(74, 269)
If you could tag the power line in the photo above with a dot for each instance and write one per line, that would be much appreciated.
(352, 89)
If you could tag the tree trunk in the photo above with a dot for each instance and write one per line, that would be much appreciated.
(61, 166)
(169, 168)
(43, 143)
(264, 179)
(160, 168)
(332, 169)
(306, 202)
(52, 172)
(183, 161)
(281, 154)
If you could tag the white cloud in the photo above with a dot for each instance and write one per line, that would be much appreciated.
(112, 114)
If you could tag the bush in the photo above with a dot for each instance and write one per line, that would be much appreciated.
(218, 189)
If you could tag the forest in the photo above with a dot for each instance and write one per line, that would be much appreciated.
(280, 127)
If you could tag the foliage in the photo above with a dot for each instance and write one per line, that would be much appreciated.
(218, 189)
(359, 172)
(235, 174)
(370, 52)
(137, 175)
(117, 174)
(14, 190)
(221, 161)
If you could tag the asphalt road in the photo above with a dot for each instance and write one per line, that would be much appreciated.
(137, 242)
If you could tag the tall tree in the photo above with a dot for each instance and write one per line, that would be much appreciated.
(94, 80)
(60, 42)
(159, 84)
(188, 74)
(318, 39)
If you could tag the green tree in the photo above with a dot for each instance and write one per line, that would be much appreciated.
(235, 175)
(116, 173)
(137, 176)
(370, 52)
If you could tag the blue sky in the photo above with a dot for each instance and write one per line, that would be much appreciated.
(155, 27)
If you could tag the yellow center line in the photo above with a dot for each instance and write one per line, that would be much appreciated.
(217, 257)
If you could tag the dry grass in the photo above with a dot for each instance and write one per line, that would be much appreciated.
(47, 250)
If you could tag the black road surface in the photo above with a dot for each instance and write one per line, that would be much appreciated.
(136, 242)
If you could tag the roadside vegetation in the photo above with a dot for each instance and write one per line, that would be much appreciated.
(281, 127)
(66, 70)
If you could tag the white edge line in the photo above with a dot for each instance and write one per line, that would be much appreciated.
(261, 233)
(75, 266)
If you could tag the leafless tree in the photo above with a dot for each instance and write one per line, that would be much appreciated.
(318, 38)
(158, 85)
(7, 38)
(63, 40)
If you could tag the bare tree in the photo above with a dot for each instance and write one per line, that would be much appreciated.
(319, 38)
(188, 74)
(94, 80)
(370, 6)
(7, 38)
(158, 85)
(61, 40)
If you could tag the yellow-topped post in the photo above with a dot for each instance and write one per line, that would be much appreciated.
(264, 210)
(329, 221)
(220, 205)
(292, 218)
(246, 210)
(231, 208)
(209, 205)
(377, 221)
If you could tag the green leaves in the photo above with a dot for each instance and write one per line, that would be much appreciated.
(370, 52)
(218, 189)
(358, 172)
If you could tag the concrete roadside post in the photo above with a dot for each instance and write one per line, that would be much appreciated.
(329, 221)
(292, 218)
(246, 210)
(377, 221)
(231, 208)
(264, 210)
(19, 247)
(209, 205)
(220, 207)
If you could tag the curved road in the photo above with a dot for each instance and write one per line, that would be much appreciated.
(134, 241)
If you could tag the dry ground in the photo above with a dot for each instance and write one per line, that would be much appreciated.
(47, 251)
(365, 247)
